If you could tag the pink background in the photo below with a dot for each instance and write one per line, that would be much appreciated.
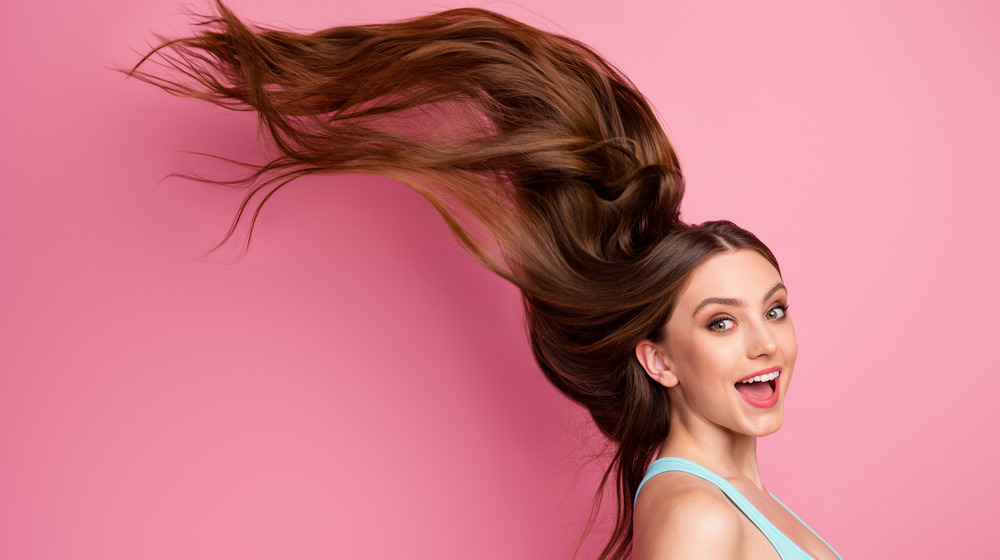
(358, 388)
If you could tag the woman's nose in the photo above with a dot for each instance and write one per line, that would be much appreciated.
(761, 341)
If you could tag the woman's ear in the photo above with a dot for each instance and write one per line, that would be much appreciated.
(653, 359)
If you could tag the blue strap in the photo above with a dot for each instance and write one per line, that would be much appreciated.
(805, 525)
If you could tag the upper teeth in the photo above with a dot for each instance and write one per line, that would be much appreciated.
(765, 377)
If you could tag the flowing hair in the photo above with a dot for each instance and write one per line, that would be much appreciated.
(544, 160)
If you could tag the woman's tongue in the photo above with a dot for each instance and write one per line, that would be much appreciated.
(759, 390)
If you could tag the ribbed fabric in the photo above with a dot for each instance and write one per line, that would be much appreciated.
(787, 549)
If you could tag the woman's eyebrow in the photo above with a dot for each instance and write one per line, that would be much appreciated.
(774, 290)
(736, 302)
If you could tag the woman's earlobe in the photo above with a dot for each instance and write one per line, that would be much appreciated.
(653, 359)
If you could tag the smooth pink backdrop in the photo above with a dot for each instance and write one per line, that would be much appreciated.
(359, 388)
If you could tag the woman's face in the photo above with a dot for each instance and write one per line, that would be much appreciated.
(731, 325)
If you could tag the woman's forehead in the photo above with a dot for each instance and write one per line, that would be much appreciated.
(744, 274)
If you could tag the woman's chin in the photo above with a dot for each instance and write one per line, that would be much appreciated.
(765, 425)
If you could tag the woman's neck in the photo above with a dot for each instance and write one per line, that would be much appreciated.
(727, 454)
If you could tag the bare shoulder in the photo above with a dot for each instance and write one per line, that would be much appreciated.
(681, 516)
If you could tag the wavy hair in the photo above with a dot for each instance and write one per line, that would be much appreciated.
(544, 160)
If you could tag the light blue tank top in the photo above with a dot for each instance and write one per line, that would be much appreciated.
(787, 549)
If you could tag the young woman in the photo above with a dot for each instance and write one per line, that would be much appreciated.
(552, 170)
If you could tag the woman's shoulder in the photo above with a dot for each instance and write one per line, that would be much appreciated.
(682, 516)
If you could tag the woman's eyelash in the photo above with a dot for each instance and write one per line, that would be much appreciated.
(720, 321)
(782, 307)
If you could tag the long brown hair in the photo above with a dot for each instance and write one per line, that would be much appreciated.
(544, 160)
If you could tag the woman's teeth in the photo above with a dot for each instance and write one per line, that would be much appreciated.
(765, 377)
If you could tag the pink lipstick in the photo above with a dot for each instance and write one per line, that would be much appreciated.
(760, 388)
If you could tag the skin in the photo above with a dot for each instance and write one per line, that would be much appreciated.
(706, 349)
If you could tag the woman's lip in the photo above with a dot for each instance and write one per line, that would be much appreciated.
(761, 372)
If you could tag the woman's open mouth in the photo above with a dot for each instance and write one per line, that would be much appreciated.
(760, 389)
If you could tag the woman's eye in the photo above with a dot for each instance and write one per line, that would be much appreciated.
(721, 324)
(776, 312)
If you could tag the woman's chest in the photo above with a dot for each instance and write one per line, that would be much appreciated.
(784, 522)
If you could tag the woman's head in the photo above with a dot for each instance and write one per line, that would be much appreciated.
(588, 349)
(727, 351)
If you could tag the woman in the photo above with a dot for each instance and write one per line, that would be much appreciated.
(552, 170)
